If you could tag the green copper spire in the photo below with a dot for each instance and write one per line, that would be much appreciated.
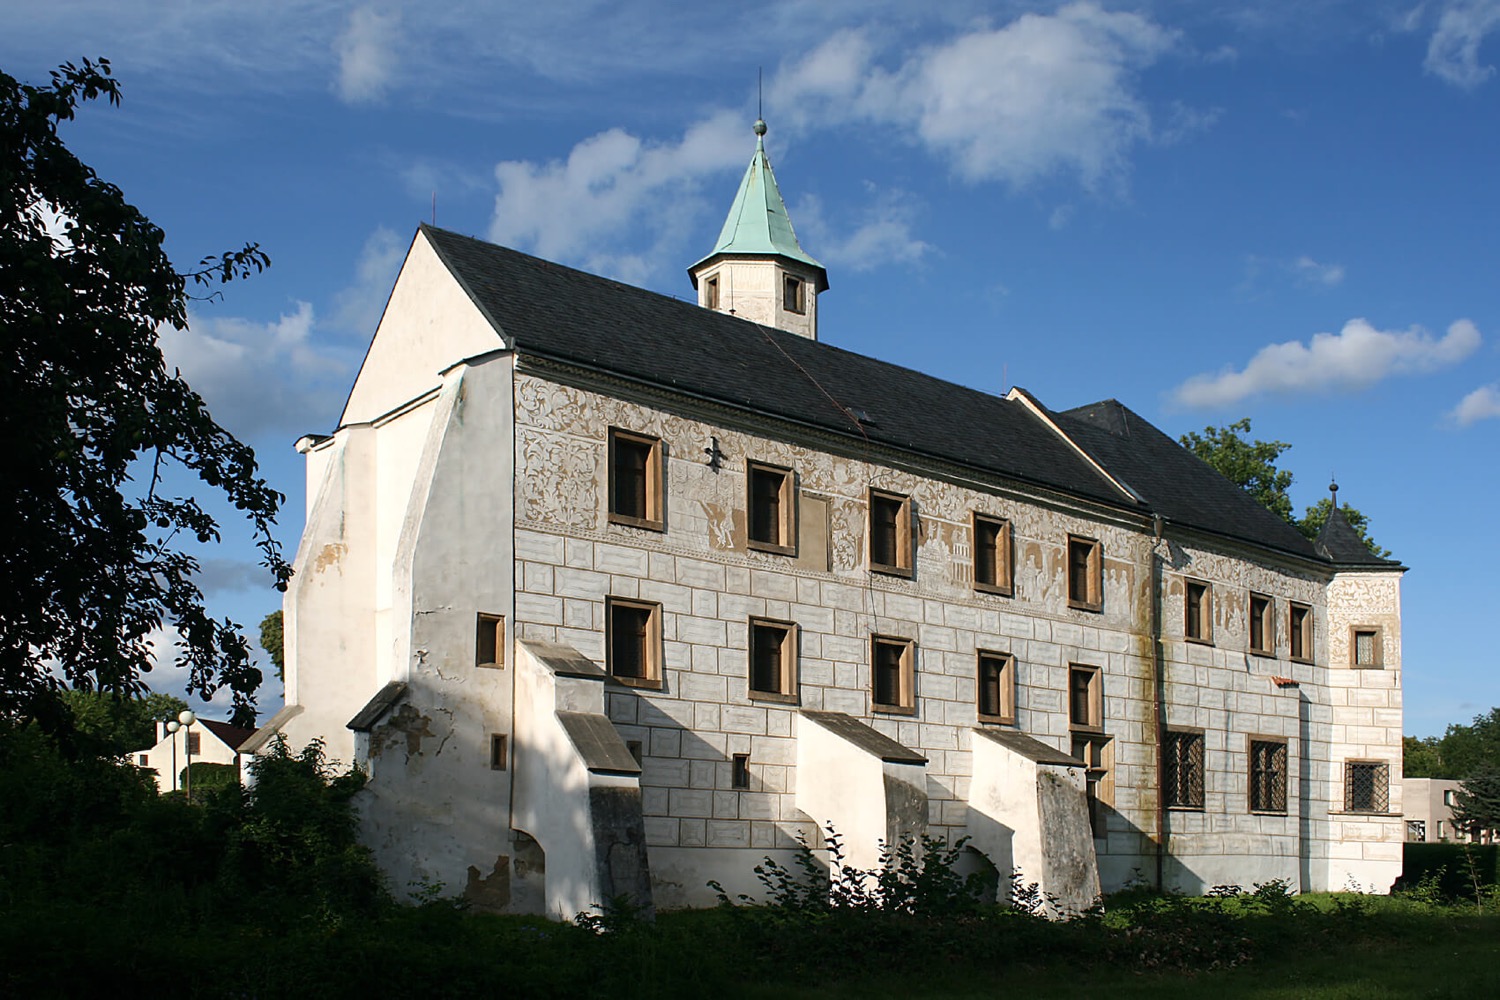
(758, 225)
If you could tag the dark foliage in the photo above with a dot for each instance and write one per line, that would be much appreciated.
(92, 556)
(108, 725)
(1450, 871)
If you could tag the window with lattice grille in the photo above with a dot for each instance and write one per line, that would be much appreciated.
(1364, 646)
(1184, 770)
(1267, 776)
(1367, 786)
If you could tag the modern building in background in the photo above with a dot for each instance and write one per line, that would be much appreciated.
(614, 593)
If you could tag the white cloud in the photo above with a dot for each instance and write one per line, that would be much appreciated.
(366, 51)
(615, 189)
(882, 235)
(1312, 272)
(257, 377)
(1453, 50)
(1481, 404)
(1044, 94)
(1356, 357)
(357, 309)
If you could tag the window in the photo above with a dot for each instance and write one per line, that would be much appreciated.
(1300, 630)
(773, 660)
(142, 759)
(1268, 776)
(637, 750)
(1085, 697)
(1197, 616)
(633, 641)
(489, 641)
(711, 292)
(1182, 770)
(772, 505)
(635, 480)
(739, 771)
(1367, 786)
(1364, 646)
(1262, 625)
(997, 687)
(794, 294)
(992, 555)
(1085, 574)
(892, 674)
(1450, 798)
(498, 758)
(890, 533)
(1097, 754)
(1416, 830)
(194, 743)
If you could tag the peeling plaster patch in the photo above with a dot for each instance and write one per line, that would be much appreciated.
(330, 555)
(490, 894)
(406, 722)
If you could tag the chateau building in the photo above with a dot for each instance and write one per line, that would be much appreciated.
(613, 593)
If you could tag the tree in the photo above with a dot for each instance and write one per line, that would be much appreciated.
(1422, 758)
(273, 643)
(1251, 465)
(1476, 807)
(120, 725)
(92, 557)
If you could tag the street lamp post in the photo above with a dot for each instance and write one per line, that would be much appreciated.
(172, 726)
(186, 718)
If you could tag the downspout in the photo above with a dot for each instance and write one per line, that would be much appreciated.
(1159, 692)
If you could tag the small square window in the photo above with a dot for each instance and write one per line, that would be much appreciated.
(1300, 631)
(489, 641)
(711, 292)
(997, 687)
(772, 505)
(1197, 615)
(890, 533)
(1262, 625)
(637, 750)
(773, 660)
(1183, 770)
(1268, 776)
(893, 674)
(1085, 574)
(1364, 646)
(1367, 786)
(794, 294)
(636, 487)
(143, 760)
(633, 641)
(498, 759)
(1085, 697)
(739, 773)
(992, 555)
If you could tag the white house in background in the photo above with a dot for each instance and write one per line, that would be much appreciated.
(208, 741)
(613, 593)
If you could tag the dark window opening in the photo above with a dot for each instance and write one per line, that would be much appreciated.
(1267, 776)
(1183, 770)
(740, 771)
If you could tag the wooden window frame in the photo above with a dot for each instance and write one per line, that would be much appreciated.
(1198, 627)
(786, 523)
(1253, 779)
(652, 654)
(787, 692)
(1097, 751)
(1267, 618)
(1001, 568)
(907, 680)
(1180, 791)
(902, 543)
(739, 771)
(794, 294)
(1300, 633)
(489, 641)
(1007, 687)
(655, 485)
(499, 752)
(1095, 721)
(1092, 598)
(711, 292)
(1379, 647)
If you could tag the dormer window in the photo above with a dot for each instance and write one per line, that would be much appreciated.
(794, 294)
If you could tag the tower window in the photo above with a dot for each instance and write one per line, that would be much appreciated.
(1364, 646)
(794, 294)
(711, 292)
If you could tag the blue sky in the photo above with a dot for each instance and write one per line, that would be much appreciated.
(1280, 210)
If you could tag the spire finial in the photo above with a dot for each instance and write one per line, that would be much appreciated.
(760, 106)
(1333, 492)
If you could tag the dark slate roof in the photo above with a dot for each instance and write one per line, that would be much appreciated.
(1029, 747)
(554, 311)
(1174, 482)
(234, 737)
(1338, 542)
(864, 736)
